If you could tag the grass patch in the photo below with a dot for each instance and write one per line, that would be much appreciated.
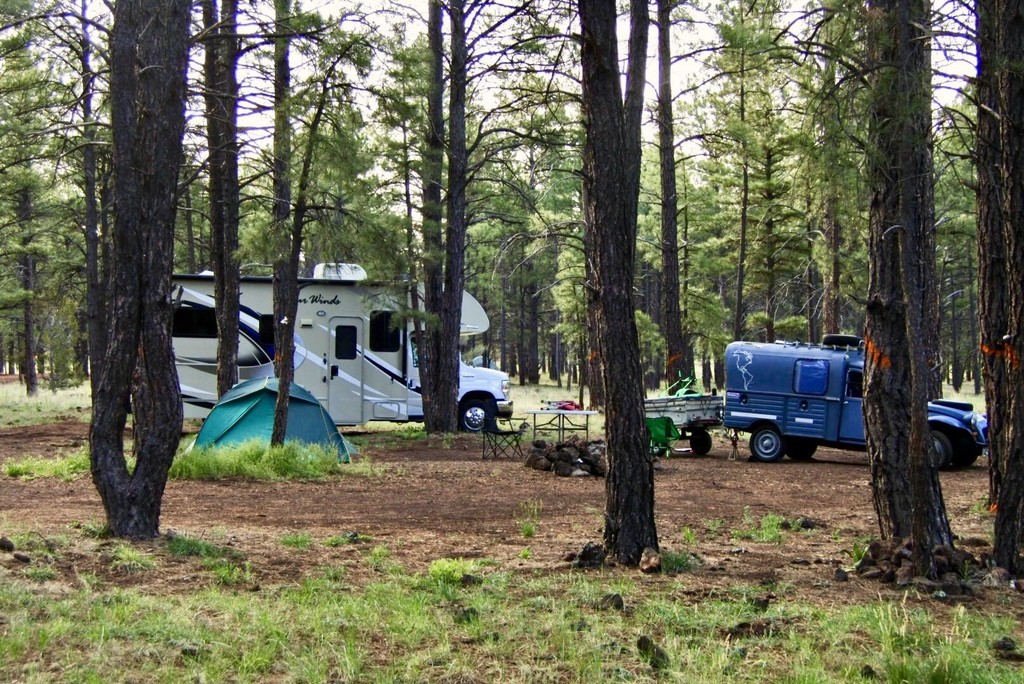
(48, 406)
(66, 467)
(510, 627)
(528, 517)
(297, 540)
(128, 560)
(768, 529)
(183, 545)
(673, 562)
(254, 460)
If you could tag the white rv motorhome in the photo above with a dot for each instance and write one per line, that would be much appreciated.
(348, 352)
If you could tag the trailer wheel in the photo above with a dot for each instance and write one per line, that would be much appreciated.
(700, 441)
(943, 449)
(766, 445)
(800, 449)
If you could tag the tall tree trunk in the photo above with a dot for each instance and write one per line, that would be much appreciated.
(222, 138)
(741, 258)
(431, 369)
(149, 58)
(611, 171)
(907, 496)
(447, 399)
(286, 264)
(95, 284)
(1001, 262)
(671, 319)
(27, 270)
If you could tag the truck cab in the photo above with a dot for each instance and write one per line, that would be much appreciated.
(792, 397)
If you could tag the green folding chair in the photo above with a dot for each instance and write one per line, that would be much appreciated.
(662, 432)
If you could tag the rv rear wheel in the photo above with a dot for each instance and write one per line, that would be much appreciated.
(766, 445)
(700, 442)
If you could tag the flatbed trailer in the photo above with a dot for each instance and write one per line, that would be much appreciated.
(685, 417)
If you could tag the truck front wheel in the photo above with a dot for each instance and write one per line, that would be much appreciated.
(766, 445)
(943, 449)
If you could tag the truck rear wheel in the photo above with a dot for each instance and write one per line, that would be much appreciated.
(800, 449)
(700, 441)
(766, 445)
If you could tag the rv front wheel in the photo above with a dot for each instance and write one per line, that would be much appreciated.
(472, 414)
(766, 445)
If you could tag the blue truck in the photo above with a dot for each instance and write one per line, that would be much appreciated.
(793, 397)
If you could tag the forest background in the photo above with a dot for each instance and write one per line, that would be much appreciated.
(767, 128)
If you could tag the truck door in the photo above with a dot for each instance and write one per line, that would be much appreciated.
(851, 417)
(345, 362)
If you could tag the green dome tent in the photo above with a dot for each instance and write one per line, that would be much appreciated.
(246, 412)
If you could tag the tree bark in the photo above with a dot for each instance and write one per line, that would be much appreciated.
(286, 264)
(149, 57)
(671, 318)
(27, 274)
(908, 499)
(431, 378)
(222, 137)
(1001, 262)
(611, 170)
(95, 284)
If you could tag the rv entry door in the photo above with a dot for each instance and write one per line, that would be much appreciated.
(345, 370)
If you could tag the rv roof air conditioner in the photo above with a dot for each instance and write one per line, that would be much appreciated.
(338, 271)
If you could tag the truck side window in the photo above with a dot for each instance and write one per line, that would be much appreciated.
(384, 335)
(345, 340)
(811, 376)
(855, 384)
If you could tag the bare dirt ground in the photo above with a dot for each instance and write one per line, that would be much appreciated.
(435, 498)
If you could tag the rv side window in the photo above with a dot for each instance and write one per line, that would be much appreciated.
(855, 384)
(384, 336)
(193, 322)
(267, 329)
(345, 340)
(811, 376)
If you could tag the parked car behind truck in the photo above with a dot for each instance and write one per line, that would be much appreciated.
(792, 397)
